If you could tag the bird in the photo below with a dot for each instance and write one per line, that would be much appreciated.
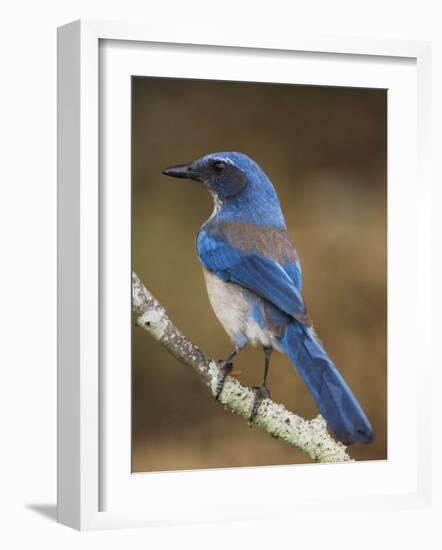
(254, 283)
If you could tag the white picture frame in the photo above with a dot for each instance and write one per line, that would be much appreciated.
(82, 440)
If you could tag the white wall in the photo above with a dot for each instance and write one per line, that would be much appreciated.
(28, 221)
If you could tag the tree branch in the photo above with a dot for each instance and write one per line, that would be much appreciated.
(309, 436)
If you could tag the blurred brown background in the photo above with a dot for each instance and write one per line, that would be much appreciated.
(324, 149)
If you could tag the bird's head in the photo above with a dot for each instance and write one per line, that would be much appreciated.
(224, 174)
(241, 189)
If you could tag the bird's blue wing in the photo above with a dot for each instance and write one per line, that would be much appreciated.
(260, 274)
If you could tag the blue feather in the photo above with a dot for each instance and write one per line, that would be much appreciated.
(334, 398)
(261, 275)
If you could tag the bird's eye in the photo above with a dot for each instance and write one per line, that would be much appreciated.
(218, 166)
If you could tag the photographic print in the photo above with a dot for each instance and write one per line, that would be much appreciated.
(259, 222)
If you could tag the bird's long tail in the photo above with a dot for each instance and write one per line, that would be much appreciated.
(335, 401)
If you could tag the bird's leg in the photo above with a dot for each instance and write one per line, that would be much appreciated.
(225, 366)
(261, 392)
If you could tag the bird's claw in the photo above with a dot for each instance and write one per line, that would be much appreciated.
(225, 370)
(261, 393)
(235, 373)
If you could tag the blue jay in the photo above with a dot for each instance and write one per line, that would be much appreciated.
(253, 278)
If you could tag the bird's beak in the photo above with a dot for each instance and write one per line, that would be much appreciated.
(186, 171)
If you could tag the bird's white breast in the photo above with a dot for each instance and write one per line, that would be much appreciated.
(229, 303)
(232, 305)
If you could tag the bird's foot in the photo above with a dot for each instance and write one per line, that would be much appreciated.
(261, 393)
(225, 370)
